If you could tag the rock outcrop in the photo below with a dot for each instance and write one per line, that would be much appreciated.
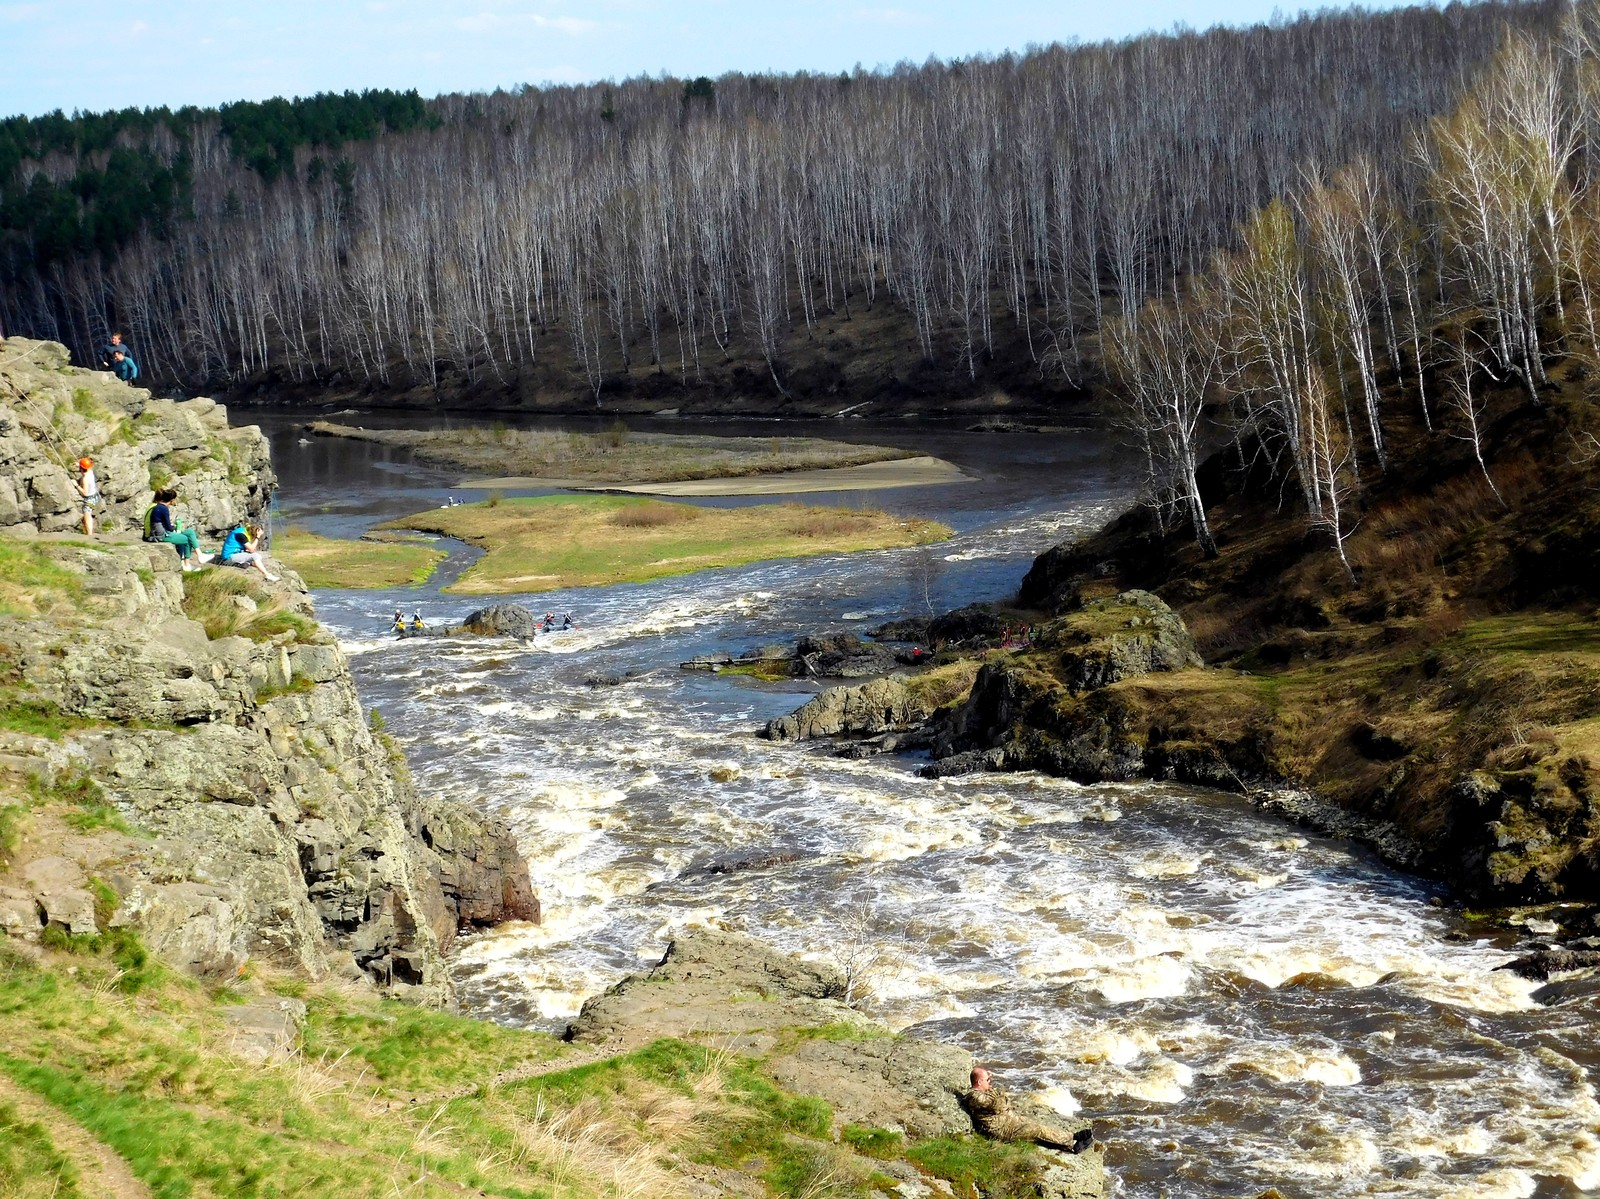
(750, 998)
(880, 706)
(278, 824)
(1132, 634)
(210, 713)
(52, 414)
(834, 656)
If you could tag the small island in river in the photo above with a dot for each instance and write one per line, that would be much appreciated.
(619, 459)
(547, 543)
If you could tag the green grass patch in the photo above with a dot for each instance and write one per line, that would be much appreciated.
(298, 685)
(973, 1163)
(36, 717)
(82, 801)
(410, 1048)
(30, 1165)
(387, 1099)
(209, 597)
(882, 1143)
(332, 562)
(547, 543)
(32, 583)
(844, 1030)
(86, 406)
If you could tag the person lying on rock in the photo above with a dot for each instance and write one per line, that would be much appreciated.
(992, 1116)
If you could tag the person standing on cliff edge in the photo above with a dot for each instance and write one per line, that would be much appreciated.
(117, 357)
(993, 1117)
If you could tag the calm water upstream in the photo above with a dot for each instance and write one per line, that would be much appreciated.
(1241, 1004)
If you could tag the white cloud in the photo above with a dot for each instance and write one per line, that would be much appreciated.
(15, 14)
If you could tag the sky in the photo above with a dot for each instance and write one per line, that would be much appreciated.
(95, 54)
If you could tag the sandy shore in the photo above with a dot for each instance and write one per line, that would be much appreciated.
(870, 476)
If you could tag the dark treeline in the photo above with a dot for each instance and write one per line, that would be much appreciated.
(658, 224)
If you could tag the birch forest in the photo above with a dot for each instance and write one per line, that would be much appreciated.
(1250, 210)
(1358, 307)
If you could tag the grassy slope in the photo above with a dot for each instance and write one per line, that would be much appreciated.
(552, 542)
(617, 456)
(332, 562)
(1468, 647)
(382, 1098)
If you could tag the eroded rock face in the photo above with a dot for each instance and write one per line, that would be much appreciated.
(52, 414)
(277, 824)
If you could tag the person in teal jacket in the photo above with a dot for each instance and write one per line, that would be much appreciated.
(241, 547)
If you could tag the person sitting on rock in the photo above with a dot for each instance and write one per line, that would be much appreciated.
(161, 526)
(993, 1117)
(241, 548)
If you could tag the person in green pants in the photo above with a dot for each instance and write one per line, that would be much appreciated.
(161, 525)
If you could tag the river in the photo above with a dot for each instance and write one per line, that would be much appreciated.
(1239, 1003)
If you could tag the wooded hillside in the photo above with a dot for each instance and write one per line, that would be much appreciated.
(987, 212)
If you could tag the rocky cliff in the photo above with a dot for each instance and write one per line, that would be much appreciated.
(190, 747)
(52, 414)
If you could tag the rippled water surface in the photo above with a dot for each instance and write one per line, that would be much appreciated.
(1241, 1004)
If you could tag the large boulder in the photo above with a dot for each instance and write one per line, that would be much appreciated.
(1132, 634)
(703, 988)
(880, 706)
(501, 620)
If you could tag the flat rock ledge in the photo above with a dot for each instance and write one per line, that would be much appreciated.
(739, 993)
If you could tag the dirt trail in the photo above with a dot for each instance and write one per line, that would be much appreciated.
(105, 1175)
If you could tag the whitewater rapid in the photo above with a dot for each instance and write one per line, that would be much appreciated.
(1238, 1003)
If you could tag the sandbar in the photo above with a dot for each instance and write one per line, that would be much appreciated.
(868, 476)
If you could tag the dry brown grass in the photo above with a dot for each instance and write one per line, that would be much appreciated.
(579, 1146)
(654, 516)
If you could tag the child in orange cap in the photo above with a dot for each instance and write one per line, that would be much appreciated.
(89, 490)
